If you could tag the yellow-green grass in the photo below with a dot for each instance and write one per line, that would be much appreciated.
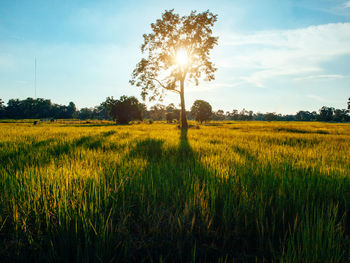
(228, 191)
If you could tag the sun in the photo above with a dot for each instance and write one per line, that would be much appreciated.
(182, 57)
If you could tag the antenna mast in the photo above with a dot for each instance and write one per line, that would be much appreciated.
(35, 79)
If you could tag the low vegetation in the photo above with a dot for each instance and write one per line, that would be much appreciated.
(243, 191)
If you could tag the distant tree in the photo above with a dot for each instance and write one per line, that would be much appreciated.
(125, 109)
(178, 50)
(245, 115)
(2, 109)
(100, 112)
(85, 113)
(71, 109)
(13, 109)
(170, 108)
(234, 115)
(326, 113)
(219, 115)
(143, 109)
(304, 116)
(172, 113)
(201, 110)
(270, 116)
(43, 108)
(288, 117)
(111, 105)
(349, 104)
(340, 115)
(171, 116)
(157, 112)
(259, 116)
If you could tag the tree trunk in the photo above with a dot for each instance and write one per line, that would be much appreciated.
(183, 117)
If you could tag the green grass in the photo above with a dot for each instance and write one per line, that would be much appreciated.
(228, 192)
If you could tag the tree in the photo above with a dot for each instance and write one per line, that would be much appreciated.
(2, 109)
(171, 116)
(13, 110)
(125, 109)
(201, 110)
(340, 115)
(177, 50)
(304, 116)
(71, 109)
(170, 108)
(349, 104)
(172, 113)
(85, 113)
(234, 115)
(157, 112)
(270, 116)
(219, 115)
(326, 113)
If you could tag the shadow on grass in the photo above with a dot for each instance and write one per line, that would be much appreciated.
(182, 208)
(179, 208)
(174, 209)
(39, 153)
(293, 130)
(246, 154)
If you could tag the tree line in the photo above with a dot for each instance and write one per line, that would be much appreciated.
(36, 109)
(126, 109)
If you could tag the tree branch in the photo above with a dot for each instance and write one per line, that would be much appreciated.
(165, 87)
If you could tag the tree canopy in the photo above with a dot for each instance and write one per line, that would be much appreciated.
(125, 109)
(177, 50)
(201, 110)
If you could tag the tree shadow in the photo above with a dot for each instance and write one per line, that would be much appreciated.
(174, 208)
(246, 154)
(181, 208)
(178, 207)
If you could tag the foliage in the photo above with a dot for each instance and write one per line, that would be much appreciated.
(306, 116)
(157, 112)
(43, 108)
(201, 110)
(37, 108)
(235, 192)
(173, 115)
(2, 109)
(326, 113)
(160, 70)
(125, 109)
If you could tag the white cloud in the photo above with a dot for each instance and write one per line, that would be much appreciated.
(347, 4)
(298, 52)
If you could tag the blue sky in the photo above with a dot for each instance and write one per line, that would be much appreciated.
(273, 56)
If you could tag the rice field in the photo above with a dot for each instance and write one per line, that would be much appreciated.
(222, 192)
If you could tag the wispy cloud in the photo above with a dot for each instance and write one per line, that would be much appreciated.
(347, 4)
(322, 99)
(298, 52)
(316, 97)
(331, 76)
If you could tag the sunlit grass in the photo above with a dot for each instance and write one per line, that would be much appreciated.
(237, 190)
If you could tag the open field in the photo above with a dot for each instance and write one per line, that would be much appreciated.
(237, 191)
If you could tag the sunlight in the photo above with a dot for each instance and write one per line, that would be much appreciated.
(181, 57)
